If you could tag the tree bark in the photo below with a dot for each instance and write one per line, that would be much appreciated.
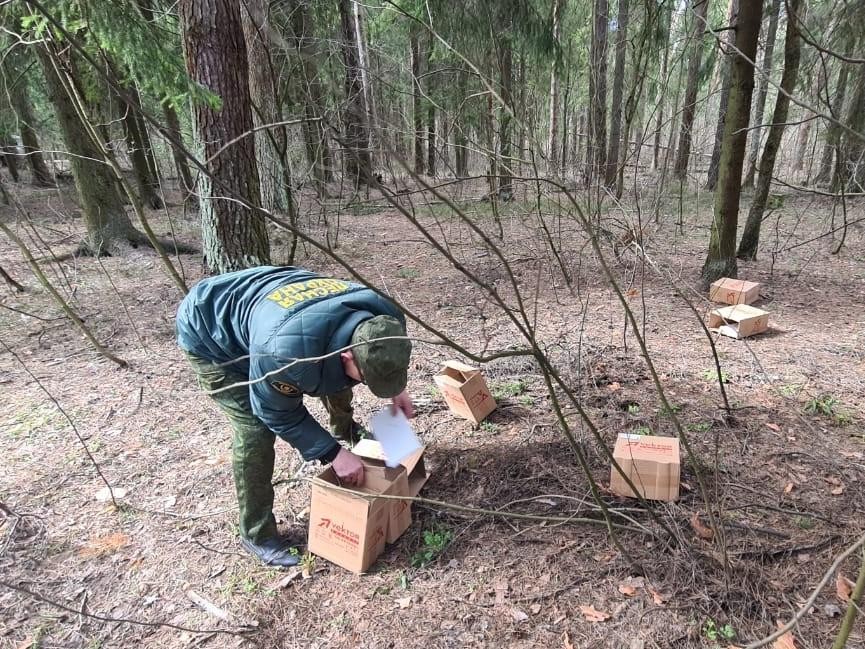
(416, 98)
(612, 167)
(700, 9)
(596, 148)
(270, 142)
(431, 139)
(751, 234)
(725, 61)
(105, 217)
(357, 161)
(852, 152)
(460, 139)
(234, 237)
(721, 260)
(759, 108)
(661, 95)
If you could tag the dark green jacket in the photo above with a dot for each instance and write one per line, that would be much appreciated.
(260, 320)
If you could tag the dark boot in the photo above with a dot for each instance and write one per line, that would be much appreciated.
(276, 551)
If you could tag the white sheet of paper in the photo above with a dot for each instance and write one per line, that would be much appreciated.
(395, 435)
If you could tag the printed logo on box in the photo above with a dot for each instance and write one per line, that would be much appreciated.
(340, 532)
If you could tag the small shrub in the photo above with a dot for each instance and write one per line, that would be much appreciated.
(434, 543)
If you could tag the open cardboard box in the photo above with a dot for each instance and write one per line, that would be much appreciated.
(348, 527)
(465, 391)
(739, 321)
(652, 463)
(734, 291)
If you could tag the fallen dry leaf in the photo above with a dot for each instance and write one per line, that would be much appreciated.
(627, 591)
(535, 609)
(785, 641)
(566, 642)
(657, 597)
(774, 427)
(788, 488)
(594, 615)
(104, 494)
(101, 545)
(518, 615)
(285, 581)
(403, 602)
(614, 387)
(699, 529)
(837, 491)
(632, 292)
(843, 587)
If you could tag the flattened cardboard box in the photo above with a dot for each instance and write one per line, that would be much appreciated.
(465, 391)
(739, 321)
(652, 463)
(734, 291)
(346, 528)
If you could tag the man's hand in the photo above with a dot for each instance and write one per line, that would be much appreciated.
(402, 401)
(348, 468)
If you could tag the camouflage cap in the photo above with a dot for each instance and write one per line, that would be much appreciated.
(384, 363)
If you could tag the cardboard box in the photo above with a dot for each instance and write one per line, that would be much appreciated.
(734, 291)
(345, 527)
(739, 321)
(652, 463)
(413, 464)
(465, 391)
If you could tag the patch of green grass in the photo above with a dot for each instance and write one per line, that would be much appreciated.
(433, 392)
(642, 430)
(712, 375)
(408, 273)
(29, 420)
(489, 427)
(526, 400)
(805, 522)
(508, 389)
(435, 541)
(672, 410)
(699, 427)
(715, 632)
(307, 562)
(790, 390)
(633, 409)
(827, 406)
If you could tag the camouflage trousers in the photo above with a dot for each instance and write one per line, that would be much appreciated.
(253, 454)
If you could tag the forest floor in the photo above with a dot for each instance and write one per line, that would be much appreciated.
(789, 483)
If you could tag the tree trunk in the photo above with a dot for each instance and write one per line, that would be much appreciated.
(234, 237)
(680, 169)
(271, 142)
(833, 131)
(356, 155)
(318, 152)
(596, 149)
(363, 63)
(10, 155)
(105, 218)
(431, 140)
(851, 153)
(460, 139)
(751, 234)
(725, 63)
(416, 98)
(661, 95)
(23, 107)
(759, 109)
(172, 124)
(136, 146)
(505, 130)
(721, 260)
(612, 166)
(552, 142)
